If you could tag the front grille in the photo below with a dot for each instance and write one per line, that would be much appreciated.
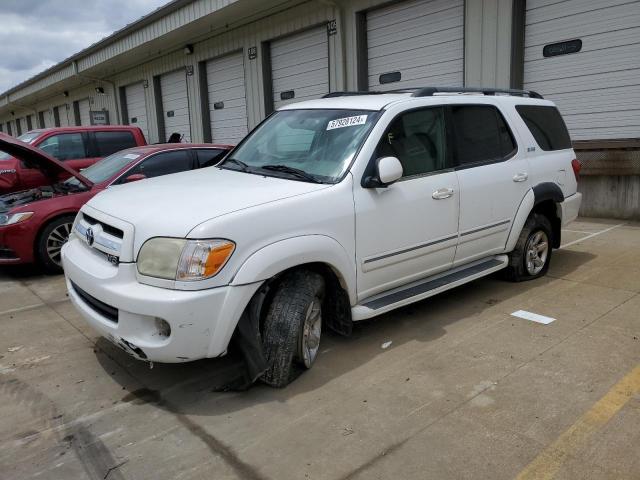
(102, 308)
(116, 232)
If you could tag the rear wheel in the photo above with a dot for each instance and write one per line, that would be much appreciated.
(293, 327)
(532, 254)
(49, 244)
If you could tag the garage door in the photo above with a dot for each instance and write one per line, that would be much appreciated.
(175, 104)
(48, 118)
(415, 44)
(300, 67)
(227, 99)
(19, 127)
(137, 107)
(592, 63)
(84, 107)
(63, 115)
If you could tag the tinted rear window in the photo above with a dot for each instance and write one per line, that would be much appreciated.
(108, 143)
(481, 134)
(546, 126)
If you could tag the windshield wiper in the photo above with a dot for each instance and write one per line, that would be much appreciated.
(243, 166)
(296, 172)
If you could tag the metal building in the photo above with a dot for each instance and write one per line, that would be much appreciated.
(211, 70)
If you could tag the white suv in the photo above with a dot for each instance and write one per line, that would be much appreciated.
(331, 211)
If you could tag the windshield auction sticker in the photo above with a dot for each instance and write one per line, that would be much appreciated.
(131, 156)
(347, 122)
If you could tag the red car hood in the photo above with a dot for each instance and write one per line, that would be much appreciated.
(35, 157)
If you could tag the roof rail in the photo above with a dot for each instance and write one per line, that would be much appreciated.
(430, 91)
(349, 94)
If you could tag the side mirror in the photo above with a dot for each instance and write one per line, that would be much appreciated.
(388, 171)
(135, 177)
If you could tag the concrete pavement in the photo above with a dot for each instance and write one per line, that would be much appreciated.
(464, 390)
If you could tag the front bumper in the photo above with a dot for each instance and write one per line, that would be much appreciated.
(201, 321)
(17, 243)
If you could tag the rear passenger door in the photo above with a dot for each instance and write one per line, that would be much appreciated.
(107, 143)
(493, 175)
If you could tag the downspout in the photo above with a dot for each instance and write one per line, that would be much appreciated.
(95, 79)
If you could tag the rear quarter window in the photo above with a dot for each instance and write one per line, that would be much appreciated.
(108, 143)
(546, 125)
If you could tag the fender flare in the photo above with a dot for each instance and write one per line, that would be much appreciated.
(547, 191)
(526, 205)
(282, 255)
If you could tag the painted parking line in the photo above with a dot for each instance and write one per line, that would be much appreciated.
(547, 464)
(591, 235)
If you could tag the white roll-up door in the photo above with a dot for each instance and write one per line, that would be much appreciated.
(416, 43)
(48, 118)
(227, 99)
(85, 108)
(175, 104)
(137, 107)
(63, 115)
(300, 67)
(597, 88)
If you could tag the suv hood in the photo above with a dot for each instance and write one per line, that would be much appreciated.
(34, 157)
(173, 205)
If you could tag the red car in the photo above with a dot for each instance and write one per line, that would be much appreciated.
(77, 147)
(35, 223)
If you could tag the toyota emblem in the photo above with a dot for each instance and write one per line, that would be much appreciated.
(89, 236)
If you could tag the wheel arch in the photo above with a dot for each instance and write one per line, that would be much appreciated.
(45, 223)
(544, 198)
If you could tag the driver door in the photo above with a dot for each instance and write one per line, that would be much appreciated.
(409, 230)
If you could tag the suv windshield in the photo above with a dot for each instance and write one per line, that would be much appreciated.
(307, 145)
(106, 168)
(28, 137)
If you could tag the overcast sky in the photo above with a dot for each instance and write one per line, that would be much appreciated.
(36, 34)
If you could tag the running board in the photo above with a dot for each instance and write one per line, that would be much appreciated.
(425, 288)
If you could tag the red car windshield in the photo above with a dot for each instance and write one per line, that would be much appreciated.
(106, 168)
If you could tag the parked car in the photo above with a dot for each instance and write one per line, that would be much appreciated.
(77, 147)
(35, 223)
(330, 212)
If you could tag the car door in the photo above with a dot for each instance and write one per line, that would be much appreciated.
(66, 147)
(408, 230)
(163, 163)
(493, 175)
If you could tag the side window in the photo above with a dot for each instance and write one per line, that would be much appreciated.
(208, 157)
(418, 139)
(481, 134)
(64, 146)
(163, 164)
(546, 126)
(112, 142)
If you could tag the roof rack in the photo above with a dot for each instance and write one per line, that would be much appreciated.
(349, 94)
(431, 91)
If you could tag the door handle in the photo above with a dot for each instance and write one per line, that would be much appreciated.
(520, 177)
(442, 193)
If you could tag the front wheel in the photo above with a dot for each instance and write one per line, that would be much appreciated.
(292, 327)
(50, 242)
(532, 254)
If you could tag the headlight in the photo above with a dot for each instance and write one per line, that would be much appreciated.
(183, 260)
(11, 218)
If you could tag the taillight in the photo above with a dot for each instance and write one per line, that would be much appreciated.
(576, 165)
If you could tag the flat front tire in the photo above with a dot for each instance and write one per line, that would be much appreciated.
(532, 254)
(293, 327)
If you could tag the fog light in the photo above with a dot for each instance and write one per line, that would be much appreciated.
(163, 328)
